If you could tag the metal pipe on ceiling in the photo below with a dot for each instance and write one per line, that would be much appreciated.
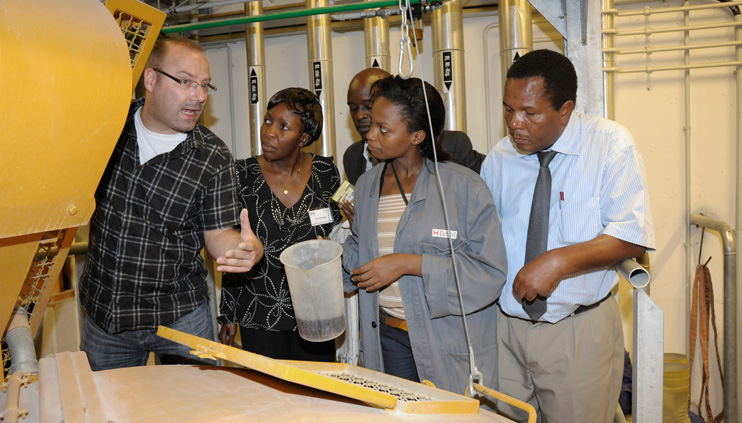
(319, 54)
(255, 46)
(287, 15)
(487, 89)
(516, 35)
(516, 31)
(376, 40)
(376, 13)
(194, 19)
(196, 5)
(448, 62)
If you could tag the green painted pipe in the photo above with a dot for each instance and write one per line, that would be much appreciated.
(285, 15)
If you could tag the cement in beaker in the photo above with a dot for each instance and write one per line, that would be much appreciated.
(315, 277)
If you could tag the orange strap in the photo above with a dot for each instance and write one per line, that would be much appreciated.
(700, 315)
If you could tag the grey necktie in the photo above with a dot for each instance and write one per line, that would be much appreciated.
(538, 226)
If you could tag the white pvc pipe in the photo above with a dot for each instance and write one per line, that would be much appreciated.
(634, 272)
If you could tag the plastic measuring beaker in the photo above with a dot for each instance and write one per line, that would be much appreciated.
(315, 277)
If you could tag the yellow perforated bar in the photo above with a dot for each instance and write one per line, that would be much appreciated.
(140, 24)
(350, 381)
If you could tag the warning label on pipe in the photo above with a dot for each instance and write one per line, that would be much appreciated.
(447, 70)
(254, 97)
(317, 77)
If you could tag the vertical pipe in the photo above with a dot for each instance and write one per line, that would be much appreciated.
(194, 19)
(12, 410)
(516, 35)
(319, 53)
(609, 78)
(738, 224)
(376, 38)
(516, 31)
(20, 343)
(730, 332)
(255, 45)
(448, 62)
(730, 298)
(688, 239)
(487, 92)
(232, 109)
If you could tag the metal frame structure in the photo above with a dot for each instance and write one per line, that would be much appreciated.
(732, 325)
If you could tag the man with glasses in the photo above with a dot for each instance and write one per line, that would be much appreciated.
(168, 190)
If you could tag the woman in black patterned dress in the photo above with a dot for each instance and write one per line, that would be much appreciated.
(287, 194)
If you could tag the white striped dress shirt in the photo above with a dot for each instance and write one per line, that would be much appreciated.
(598, 187)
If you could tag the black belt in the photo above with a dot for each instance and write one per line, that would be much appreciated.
(578, 310)
(584, 308)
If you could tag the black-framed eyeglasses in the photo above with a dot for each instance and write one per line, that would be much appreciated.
(187, 84)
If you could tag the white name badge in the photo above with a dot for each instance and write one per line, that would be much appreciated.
(442, 233)
(320, 216)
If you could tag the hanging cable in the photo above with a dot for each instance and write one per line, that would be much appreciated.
(404, 43)
(475, 376)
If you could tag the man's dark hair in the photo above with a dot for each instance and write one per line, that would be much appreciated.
(560, 79)
(407, 94)
(305, 104)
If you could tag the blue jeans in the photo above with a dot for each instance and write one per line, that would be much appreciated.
(397, 353)
(131, 348)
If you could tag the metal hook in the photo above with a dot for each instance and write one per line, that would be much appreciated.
(404, 43)
(475, 376)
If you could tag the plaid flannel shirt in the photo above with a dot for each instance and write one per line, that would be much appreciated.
(144, 266)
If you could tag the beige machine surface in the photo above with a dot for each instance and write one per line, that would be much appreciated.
(182, 394)
(67, 75)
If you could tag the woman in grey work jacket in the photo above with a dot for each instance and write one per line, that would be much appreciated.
(410, 315)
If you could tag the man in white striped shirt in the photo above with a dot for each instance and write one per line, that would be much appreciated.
(567, 362)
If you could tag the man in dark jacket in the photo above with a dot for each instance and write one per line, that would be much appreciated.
(356, 159)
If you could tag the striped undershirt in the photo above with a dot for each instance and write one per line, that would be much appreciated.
(391, 208)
